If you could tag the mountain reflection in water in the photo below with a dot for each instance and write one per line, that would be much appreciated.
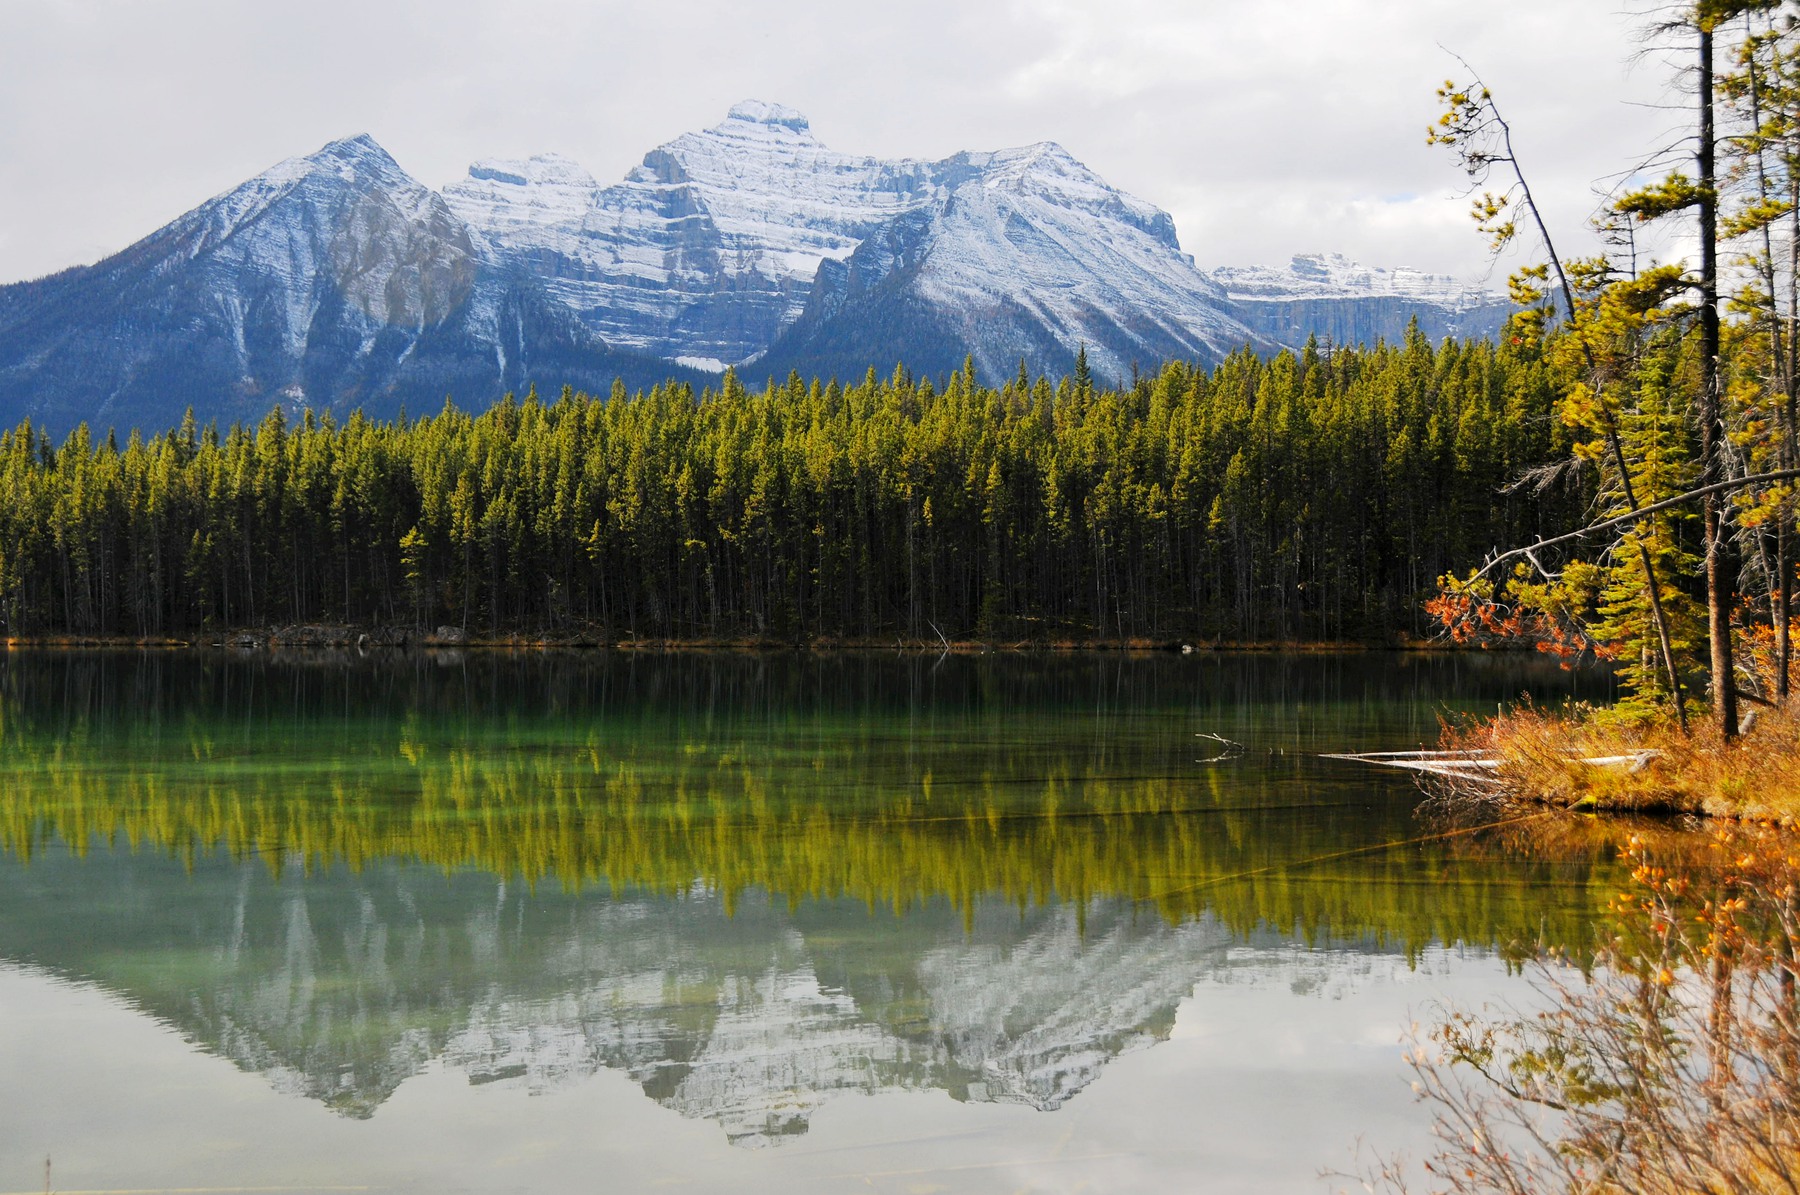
(749, 883)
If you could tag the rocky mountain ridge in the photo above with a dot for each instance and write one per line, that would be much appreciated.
(1330, 296)
(336, 281)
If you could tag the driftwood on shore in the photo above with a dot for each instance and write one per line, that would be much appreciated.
(1476, 766)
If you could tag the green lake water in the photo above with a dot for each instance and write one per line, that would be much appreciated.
(784, 923)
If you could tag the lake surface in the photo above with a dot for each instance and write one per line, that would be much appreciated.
(784, 923)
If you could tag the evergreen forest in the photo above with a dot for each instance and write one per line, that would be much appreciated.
(1316, 495)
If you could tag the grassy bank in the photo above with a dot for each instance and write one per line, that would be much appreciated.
(1546, 756)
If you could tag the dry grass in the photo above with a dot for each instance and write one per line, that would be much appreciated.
(1543, 756)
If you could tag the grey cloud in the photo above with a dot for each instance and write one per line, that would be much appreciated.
(1265, 130)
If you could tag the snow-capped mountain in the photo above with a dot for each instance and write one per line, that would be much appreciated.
(722, 241)
(1331, 296)
(706, 250)
(331, 281)
(1023, 254)
(337, 281)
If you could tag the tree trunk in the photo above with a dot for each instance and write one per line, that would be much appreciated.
(1718, 574)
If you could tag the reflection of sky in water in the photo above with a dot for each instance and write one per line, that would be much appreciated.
(831, 915)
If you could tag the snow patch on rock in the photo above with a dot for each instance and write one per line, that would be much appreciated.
(1334, 276)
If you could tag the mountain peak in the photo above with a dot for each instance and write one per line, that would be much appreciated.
(357, 163)
(359, 148)
(1040, 157)
(356, 143)
(540, 169)
(349, 158)
(761, 112)
(748, 241)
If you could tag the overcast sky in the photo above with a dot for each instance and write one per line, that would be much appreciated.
(1265, 129)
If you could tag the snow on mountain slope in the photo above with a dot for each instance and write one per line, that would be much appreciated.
(333, 281)
(1328, 295)
(708, 248)
(339, 255)
(1334, 276)
(346, 216)
(1036, 241)
(716, 244)
(508, 202)
(780, 200)
(1028, 255)
(336, 280)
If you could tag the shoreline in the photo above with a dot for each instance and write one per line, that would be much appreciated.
(1584, 763)
(339, 637)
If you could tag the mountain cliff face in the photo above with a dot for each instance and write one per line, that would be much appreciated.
(337, 281)
(1024, 254)
(331, 281)
(709, 248)
(1332, 297)
(753, 244)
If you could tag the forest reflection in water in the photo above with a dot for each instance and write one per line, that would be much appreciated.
(748, 882)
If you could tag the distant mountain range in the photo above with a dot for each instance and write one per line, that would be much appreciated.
(337, 281)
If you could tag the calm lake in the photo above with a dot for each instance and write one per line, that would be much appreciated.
(718, 922)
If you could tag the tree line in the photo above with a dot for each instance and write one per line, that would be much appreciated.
(1681, 384)
(1313, 495)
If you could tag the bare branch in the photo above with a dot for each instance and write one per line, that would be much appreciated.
(1719, 487)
